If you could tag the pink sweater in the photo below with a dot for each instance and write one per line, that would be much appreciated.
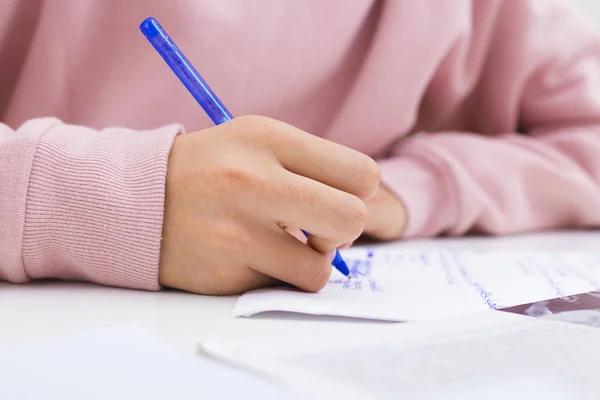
(484, 115)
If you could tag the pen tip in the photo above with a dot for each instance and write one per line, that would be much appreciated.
(341, 265)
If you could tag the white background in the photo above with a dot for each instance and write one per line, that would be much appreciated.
(590, 7)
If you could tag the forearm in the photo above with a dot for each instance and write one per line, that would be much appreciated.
(456, 182)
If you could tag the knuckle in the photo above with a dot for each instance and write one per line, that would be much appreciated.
(254, 120)
(240, 178)
(256, 127)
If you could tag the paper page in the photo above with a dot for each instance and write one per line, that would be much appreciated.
(526, 359)
(406, 285)
(122, 363)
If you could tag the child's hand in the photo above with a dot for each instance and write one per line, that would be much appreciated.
(386, 218)
(233, 190)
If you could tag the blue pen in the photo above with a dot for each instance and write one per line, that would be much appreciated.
(203, 94)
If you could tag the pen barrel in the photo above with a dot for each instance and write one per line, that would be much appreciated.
(185, 71)
(338, 262)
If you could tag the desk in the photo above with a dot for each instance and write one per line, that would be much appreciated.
(48, 309)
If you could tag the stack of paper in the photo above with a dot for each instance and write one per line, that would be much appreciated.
(492, 356)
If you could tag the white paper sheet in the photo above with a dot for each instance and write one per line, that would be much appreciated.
(404, 285)
(124, 362)
(493, 356)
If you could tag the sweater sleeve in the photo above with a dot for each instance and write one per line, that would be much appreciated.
(81, 204)
(75, 203)
(541, 80)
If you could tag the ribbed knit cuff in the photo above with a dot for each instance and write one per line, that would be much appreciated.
(95, 205)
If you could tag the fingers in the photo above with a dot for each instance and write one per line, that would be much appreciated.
(319, 209)
(295, 232)
(318, 159)
(321, 245)
(285, 258)
(301, 237)
(324, 246)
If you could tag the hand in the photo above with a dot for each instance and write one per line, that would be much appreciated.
(234, 191)
(386, 216)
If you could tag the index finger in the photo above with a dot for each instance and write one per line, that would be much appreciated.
(322, 160)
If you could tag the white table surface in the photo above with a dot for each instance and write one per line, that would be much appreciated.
(43, 310)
